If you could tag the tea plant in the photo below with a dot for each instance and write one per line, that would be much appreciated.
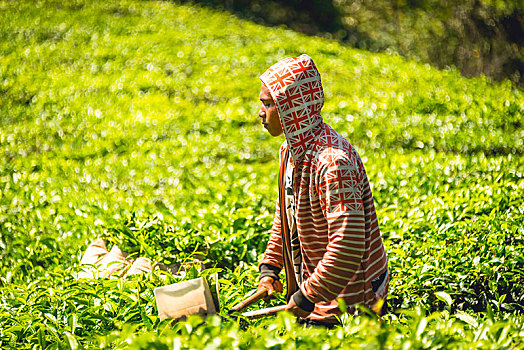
(136, 121)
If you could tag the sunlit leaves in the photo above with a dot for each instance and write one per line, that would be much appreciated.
(136, 121)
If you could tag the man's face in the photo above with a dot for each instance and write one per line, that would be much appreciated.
(269, 113)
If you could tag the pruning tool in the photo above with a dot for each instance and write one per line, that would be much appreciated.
(262, 293)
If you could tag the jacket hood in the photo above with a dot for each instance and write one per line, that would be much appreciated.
(294, 84)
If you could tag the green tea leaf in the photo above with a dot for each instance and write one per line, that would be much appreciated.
(445, 297)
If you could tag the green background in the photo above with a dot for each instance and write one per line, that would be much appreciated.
(137, 121)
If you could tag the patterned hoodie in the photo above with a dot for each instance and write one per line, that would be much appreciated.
(340, 243)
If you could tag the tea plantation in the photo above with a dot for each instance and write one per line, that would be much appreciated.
(137, 121)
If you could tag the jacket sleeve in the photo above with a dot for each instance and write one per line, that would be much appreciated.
(339, 190)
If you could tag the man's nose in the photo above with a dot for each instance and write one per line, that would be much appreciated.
(261, 111)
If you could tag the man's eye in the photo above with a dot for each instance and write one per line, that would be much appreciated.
(267, 105)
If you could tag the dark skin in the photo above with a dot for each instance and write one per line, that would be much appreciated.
(275, 286)
(269, 113)
(271, 121)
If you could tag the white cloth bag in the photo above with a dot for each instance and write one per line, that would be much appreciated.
(185, 298)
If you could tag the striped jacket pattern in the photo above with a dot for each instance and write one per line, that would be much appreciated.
(340, 241)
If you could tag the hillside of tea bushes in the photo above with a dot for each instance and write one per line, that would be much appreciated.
(137, 121)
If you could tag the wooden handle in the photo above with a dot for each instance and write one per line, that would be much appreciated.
(249, 301)
(264, 312)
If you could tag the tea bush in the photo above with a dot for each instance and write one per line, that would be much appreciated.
(137, 121)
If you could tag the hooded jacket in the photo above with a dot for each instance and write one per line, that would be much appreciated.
(340, 241)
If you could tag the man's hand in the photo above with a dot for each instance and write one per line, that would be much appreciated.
(295, 310)
(271, 285)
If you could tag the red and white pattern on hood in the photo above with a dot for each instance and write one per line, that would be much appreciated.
(294, 84)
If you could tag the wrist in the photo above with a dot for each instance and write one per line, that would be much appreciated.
(267, 270)
(302, 302)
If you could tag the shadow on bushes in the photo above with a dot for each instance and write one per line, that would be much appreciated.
(476, 36)
(312, 17)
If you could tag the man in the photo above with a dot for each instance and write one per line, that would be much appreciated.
(325, 232)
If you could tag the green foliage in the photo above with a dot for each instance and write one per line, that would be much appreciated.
(224, 241)
(412, 331)
(454, 224)
(476, 36)
(136, 121)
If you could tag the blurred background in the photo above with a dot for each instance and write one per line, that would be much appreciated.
(476, 36)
